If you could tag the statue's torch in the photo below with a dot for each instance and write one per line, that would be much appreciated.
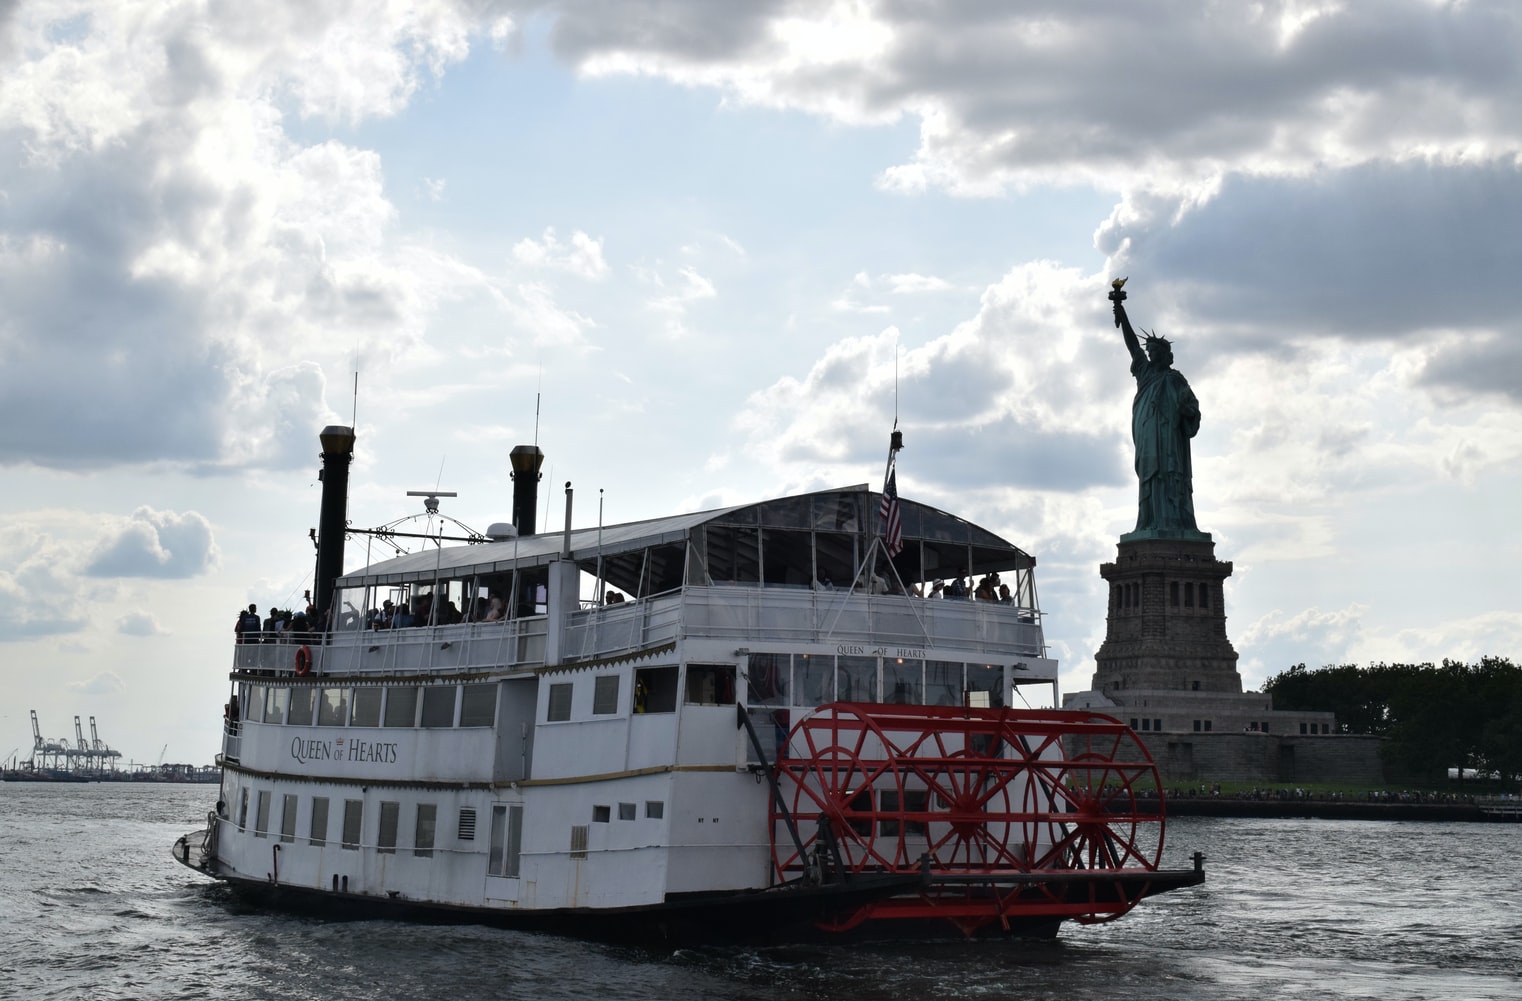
(1118, 296)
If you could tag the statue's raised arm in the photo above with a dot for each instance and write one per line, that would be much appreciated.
(1118, 297)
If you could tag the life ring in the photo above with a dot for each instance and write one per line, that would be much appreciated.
(303, 660)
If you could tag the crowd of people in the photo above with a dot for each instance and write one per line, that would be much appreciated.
(279, 624)
(420, 611)
(960, 588)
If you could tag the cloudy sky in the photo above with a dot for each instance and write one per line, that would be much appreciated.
(709, 239)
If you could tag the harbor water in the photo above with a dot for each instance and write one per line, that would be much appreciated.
(95, 908)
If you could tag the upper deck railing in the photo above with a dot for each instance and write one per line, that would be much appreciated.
(747, 613)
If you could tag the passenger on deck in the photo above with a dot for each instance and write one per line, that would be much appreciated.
(248, 625)
(613, 598)
(985, 591)
(403, 617)
(938, 590)
(494, 609)
(1005, 598)
(956, 589)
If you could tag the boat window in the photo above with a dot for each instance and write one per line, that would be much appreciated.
(787, 512)
(350, 609)
(243, 810)
(605, 695)
(514, 840)
(367, 707)
(317, 834)
(390, 812)
(601, 814)
(274, 705)
(559, 703)
(288, 818)
(401, 706)
(856, 679)
(262, 814)
(813, 679)
(664, 568)
(422, 837)
(438, 706)
(655, 809)
(333, 707)
(734, 554)
(299, 713)
(532, 591)
(626, 811)
(579, 841)
(710, 684)
(902, 681)
(655, 690)
(834, 559)
(354, 812)
(478, 705)
(943, 683)
(787, 557)
(771, 726)
(254, 705)
(837, 512)
(985, 685)
(506, 840)
(767, 677)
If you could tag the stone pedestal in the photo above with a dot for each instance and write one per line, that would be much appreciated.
(1166, 629)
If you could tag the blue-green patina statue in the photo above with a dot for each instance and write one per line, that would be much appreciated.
(1164, 416)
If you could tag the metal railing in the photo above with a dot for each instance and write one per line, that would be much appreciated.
(739, 612)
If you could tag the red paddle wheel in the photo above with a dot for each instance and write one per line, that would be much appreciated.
(1009, 816)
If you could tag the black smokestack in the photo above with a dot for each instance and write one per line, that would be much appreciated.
(526, 461)
(337, 451)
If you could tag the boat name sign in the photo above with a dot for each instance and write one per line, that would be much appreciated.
(858, 650)
(338, 749)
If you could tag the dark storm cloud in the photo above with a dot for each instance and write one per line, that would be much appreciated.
(1491, 364)
(98, 367)
(1024, 91)
(1370, 252)
(689, 29)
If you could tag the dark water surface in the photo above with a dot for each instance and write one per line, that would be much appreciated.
(93, 907)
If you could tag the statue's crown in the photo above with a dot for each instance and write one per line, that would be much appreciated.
(1154, 339)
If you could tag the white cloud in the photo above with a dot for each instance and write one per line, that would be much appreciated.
(151, 543)
(139, 624)
(38, 595)
(581, 257)
(169, 242)
(912, 284)
(677, 296)
(102, 683)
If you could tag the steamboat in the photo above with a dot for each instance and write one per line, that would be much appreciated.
(768, 722)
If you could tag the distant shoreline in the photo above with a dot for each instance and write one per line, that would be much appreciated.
(1317, 809)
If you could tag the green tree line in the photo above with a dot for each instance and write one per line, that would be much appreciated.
(1434, 718)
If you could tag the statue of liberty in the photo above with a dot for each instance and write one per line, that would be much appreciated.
(1164, 416)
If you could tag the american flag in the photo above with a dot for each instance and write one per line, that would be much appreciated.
(892, 519)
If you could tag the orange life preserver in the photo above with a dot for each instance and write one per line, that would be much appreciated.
(303, 660)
